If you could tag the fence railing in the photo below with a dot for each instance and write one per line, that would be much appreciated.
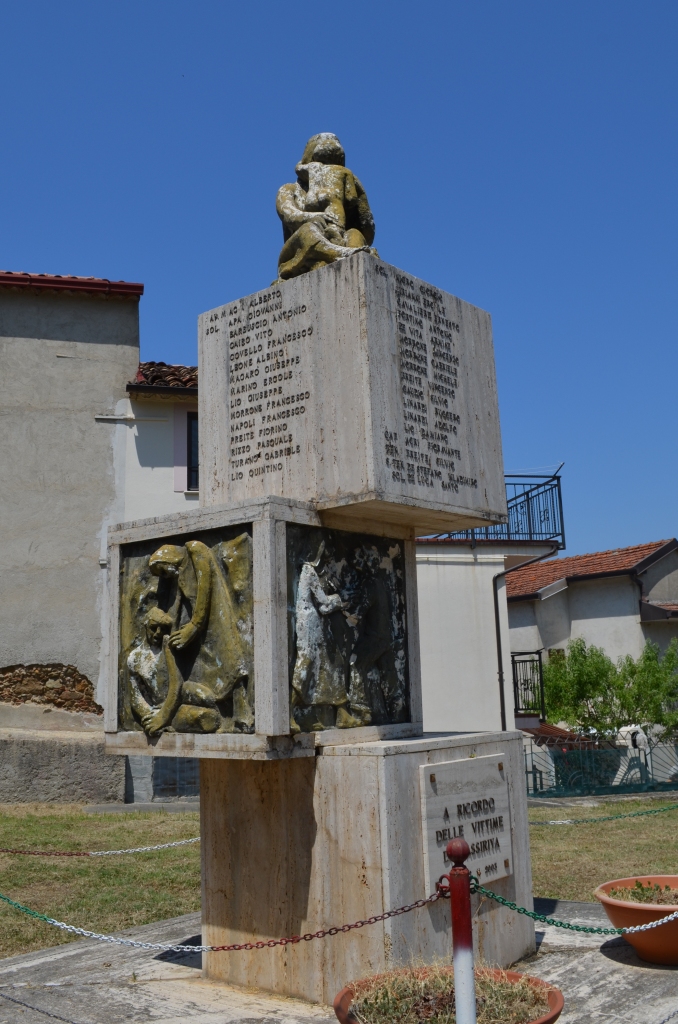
(528, 683)
(535, 513)
(552, 771)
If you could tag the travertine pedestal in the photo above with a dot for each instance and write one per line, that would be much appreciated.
(274, 632)
(293, 846)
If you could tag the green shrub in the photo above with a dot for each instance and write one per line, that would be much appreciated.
(589, 692)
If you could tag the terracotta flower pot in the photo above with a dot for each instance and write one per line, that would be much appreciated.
(659, 945)
(342, 1002)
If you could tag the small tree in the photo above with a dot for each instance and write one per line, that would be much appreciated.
(649, 688)
(585, 689)
(582, 689)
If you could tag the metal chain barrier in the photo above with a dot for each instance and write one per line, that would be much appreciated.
(441, 893)
(98, 853)
(607, 817)
(167, 948)
(665, 1020)
(477, 887)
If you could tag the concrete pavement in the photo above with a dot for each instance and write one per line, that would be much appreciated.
(89, 982)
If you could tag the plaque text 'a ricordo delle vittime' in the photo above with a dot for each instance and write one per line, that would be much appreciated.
(467, 799)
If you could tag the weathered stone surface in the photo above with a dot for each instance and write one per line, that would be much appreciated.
(295, 846)
(356, 387)
(58, 767)
(343, 658)
(325, 213)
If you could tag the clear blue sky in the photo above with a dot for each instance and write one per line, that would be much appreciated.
(520, 155)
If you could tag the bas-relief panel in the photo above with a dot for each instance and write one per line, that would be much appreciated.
(186, 640)
(347, 630)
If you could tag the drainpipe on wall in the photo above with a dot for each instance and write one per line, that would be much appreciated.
(497, 625)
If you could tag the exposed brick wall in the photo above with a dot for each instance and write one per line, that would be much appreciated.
(62, 686)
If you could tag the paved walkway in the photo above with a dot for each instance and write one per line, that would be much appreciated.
(89, 982)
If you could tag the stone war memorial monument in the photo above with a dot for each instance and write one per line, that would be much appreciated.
(273, 632)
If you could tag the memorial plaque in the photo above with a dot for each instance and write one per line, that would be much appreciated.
(467, 799)
(360, 388)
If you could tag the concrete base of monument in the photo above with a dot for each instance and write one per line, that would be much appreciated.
(296, 845)
(253, 746)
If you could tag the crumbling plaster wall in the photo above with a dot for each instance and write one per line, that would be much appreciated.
(65, 358)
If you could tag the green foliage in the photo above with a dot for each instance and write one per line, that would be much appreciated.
(646, 894)
(649, 688)
(588, 691)
(581, 689)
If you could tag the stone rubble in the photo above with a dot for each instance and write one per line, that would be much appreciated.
(60, 686)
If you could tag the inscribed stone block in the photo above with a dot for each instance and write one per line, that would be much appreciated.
(359, 388)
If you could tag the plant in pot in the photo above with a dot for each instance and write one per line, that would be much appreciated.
(413, 995)
(639, 900)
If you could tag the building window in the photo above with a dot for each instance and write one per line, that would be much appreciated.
(192, 454)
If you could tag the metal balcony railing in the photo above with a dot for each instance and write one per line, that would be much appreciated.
(535, 513)
(528, 683)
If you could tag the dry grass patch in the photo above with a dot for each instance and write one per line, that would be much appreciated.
(104, 894)
(570, 861)
(413, 995)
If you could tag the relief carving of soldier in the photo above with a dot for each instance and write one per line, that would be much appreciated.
(193, 669)
(349, 669)
(325, 213)
(319, 678)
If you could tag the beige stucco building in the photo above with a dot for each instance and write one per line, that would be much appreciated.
(616, 600)
(68, 347)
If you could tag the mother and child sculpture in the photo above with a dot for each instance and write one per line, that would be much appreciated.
(325, 213)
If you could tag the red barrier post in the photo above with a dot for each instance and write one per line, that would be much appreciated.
(459, 880)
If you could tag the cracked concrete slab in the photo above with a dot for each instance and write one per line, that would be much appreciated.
(89, 982)
(602, 979)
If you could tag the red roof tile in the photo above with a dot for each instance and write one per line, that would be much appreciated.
(528, 581)
(162, 375)
(59, 282)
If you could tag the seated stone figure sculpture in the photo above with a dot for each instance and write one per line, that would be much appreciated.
(155, 682)
(208, 658)
(325, 214)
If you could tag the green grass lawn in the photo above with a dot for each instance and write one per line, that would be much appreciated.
(570, 861)
(113, 893)
(104, 894)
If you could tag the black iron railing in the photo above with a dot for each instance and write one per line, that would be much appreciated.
(535, 513)
(528, 683)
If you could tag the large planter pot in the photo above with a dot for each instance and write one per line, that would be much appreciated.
(659, 945)
(342, 1002)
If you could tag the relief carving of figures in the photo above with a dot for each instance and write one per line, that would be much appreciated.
(347, 614)
(190, 666)
(325, 213)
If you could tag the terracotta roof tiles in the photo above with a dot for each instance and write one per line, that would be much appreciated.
(523, 583)
(65, 282)
(162, 375)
